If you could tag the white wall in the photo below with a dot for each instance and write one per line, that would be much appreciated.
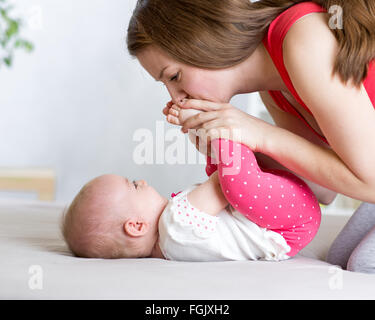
(75, 102)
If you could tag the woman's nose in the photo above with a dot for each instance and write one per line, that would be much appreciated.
(142, 182)
(177, 95)
(179, 99)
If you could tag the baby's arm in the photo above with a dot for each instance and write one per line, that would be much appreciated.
(208, 197)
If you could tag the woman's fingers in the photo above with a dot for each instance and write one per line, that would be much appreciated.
(202, 105)
(212, 124)
(215, 133)
(197, 120)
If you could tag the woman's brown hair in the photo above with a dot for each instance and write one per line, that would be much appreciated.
(216, 34)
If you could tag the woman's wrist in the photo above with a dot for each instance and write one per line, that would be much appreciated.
(265, 140)
(289, 149)
(269, 139)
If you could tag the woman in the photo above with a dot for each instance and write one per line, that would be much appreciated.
(315, 76)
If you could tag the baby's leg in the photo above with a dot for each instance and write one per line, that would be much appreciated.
(358, 226)
(273, 199)
(211, 166)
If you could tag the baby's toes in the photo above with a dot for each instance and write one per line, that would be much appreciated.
(176, 108)
(173, 119)
(174, 112)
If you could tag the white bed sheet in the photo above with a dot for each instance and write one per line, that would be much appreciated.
(29, 236)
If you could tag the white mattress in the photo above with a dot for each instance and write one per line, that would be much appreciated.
(29, 236)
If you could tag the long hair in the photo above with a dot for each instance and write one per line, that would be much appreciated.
(216, 34)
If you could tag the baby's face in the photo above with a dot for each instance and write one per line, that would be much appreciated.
(130, 198)
(135, 205)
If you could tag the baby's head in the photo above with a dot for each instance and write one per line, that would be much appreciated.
(112, 217)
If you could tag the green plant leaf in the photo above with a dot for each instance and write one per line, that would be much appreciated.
(12, 29)
(9, 38)
(21, 43)
(8, 61)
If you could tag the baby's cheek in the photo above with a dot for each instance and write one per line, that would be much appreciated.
(150, 200)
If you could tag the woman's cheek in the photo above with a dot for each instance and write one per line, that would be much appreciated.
(204, 90)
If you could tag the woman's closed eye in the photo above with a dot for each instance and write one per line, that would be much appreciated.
(175, 77)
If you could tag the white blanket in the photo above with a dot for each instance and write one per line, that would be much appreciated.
(36, 264)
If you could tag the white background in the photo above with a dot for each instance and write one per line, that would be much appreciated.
(74, 103)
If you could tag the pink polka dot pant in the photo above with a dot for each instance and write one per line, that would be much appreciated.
(273, 199)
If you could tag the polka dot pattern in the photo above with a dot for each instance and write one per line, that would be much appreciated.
(274, 199)
(201, 223)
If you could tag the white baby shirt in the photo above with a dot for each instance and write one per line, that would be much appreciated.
(188, 234)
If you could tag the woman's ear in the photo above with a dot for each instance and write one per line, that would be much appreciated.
(136, 227)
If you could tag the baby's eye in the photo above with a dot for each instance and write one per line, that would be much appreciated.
(135, 185)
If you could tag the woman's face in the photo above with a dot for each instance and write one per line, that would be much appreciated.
(184, 81)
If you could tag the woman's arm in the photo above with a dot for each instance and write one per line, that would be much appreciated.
(304, 158)
(344, 114)
(208, 196)
(324, 195)
(315, 163)
(293, 124)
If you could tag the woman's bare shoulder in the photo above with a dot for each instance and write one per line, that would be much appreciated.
(315, 25)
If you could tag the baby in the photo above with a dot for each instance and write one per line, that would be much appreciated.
(248, 214)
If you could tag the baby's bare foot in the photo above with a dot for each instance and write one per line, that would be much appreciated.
(178, 115)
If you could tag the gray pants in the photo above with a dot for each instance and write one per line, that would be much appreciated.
(354, 247)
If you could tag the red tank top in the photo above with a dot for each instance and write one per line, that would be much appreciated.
(273, 42)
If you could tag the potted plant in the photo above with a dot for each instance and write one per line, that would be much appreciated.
(10, 38)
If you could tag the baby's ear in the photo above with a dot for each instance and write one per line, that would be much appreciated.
(136, 227)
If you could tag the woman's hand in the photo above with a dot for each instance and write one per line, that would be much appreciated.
(222, 120)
